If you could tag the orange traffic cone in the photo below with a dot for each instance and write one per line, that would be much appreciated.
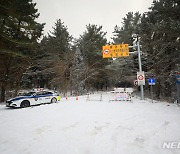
(77, 98)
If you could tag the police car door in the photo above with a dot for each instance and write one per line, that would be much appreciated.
(47, 97)
(39, 98)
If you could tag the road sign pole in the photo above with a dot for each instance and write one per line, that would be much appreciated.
(151, 82)
(178, 87)
(178, 93)
(140, 67)
(152, 93)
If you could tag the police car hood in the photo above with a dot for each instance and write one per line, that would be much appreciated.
(19, 98)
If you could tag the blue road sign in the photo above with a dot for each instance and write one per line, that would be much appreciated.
(151, 81)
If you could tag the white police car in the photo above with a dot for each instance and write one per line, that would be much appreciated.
(33, 98)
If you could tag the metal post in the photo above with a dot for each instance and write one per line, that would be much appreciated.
(140, 67)
(178, 93)
(152, 92)
(178, 87)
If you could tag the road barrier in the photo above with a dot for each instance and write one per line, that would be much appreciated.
(121, 94)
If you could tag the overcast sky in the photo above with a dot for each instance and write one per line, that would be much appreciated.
(76, 14)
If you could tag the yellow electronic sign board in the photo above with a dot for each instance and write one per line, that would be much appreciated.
(114, 51)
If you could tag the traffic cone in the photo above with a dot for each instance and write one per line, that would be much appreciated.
(66, 96)
(77, 98)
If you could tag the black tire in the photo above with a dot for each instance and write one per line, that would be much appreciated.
(25, 104)
(53, 100)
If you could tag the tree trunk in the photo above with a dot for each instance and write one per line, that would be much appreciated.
(3, 91)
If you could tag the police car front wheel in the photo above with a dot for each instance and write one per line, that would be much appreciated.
(25, 104)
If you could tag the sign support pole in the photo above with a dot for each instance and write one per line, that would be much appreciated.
(178, 93)
(178, 87)
(151, 93)
(151, 82)
(140, 67)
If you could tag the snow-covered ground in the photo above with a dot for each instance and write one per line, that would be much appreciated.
(90, 127)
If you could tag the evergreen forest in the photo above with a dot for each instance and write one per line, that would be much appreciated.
(29, 59)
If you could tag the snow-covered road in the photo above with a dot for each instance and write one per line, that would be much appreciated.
(90, 127)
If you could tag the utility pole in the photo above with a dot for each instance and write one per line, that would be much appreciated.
(136, 44)
(140, 67)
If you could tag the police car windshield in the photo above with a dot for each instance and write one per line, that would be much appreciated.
(29, 93)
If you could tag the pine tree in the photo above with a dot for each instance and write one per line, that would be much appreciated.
(53, 60)
(18, 25)
(160, 28)
(130, 26)
(128, 66)
(90, 45)
(18, 33)
(60, 39)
